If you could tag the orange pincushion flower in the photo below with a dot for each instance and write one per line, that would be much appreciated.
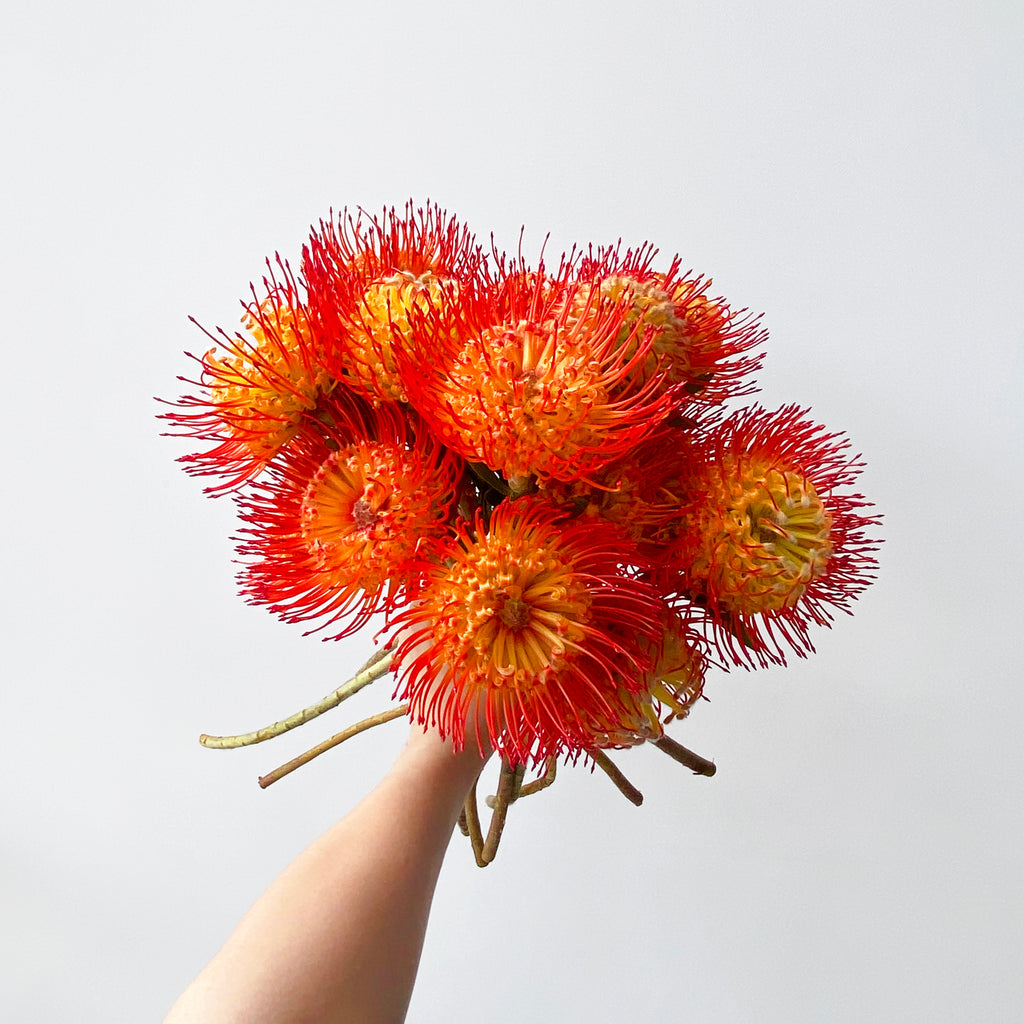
(769, 541)
(519, 384)
(673, 682)
(696, 341)
(678, 678)
(369, 278)
(629, 720)
(639, 491)
(333, 530)
(256, 391)
(530, 625)
(382, 320)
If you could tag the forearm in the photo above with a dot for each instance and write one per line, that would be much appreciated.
(337, 937)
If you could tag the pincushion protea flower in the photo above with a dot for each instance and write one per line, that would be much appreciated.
(671, 684)
(696, 340)
(332, 530)
(532, 378)
(638, 491)
(368, 278)
(770, 539)
(531, 622)
(254, 392)
(678, 678)
(532, 477)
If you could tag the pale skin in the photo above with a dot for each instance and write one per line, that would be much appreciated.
(338, 935)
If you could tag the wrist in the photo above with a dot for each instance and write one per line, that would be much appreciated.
(427, 753)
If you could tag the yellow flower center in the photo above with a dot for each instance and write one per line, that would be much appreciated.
(512, 614)
(382, 320)
(515, 613)
(262, 393)
(363, 512)
(526, 396)
(768, 540)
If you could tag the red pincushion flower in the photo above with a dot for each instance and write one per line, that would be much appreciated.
(368, 278)
(639, 491)
(770, 540)
(672, 684)
(254, 392)
(530, 624)
(334, 528)
(696, 340)
(532, 378)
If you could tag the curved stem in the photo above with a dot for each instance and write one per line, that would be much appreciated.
(472, 816)
(502, 799)
(697, 764)
(489, 478)
(625, 787)
(519, 771)
(376, 667)
(547, 779)
(353, 730)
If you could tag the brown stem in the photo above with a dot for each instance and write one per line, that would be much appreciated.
(697, 764)
(472, 815)
(550, 765)
(517, 787)
(502, 799)
(625, 787)
(353, 730)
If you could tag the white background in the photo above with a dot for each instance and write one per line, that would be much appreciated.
(853, 170)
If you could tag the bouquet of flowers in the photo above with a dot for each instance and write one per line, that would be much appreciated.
(528, 474)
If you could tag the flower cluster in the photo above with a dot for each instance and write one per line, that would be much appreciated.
(529, 472)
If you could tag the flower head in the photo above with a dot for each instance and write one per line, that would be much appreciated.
(673, 682)
(639, 490)
(696, 340)
(334, 528)
(369, 277)
(530, 378)
(256, 391)
(531, 623)
(769, 540)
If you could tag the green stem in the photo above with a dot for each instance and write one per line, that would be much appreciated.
(487, 476)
